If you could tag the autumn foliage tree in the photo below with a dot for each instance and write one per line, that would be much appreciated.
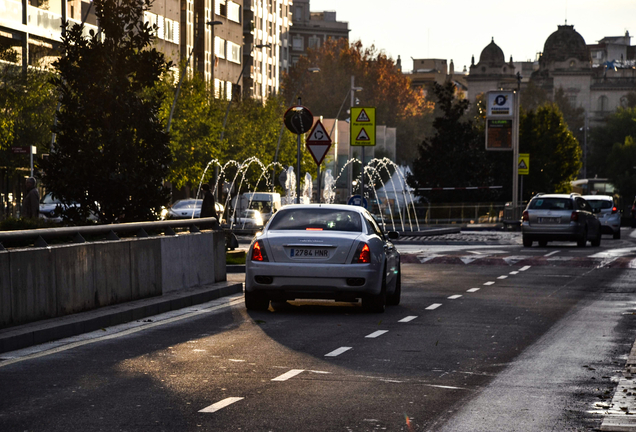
(384, 87)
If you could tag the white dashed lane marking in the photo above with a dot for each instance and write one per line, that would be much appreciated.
(407, 319)
(433, 306)
(375, 334)
(221, 404)
(524, 268)
(454, 297)
(503, 277)
(514, 272)
(489, 283)
(472, 290)
(287, 375)
(337, 352)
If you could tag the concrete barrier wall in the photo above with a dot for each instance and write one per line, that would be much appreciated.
(40, 283)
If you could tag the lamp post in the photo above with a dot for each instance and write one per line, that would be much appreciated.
(333, 127)
(282, 126)
(352, 103)
(227, 111)
(183, 71)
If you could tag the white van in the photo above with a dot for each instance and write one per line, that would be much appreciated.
(267, 203)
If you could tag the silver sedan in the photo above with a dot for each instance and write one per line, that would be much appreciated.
(323, 251)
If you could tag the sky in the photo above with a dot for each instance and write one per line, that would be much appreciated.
(456, 30)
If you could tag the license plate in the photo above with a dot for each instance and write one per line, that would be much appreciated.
(308, 253)
(547, 220)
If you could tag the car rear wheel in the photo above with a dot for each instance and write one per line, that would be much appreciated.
(543, 243)
(376, 303)
(617, 234)
(527, 242)
(255, 301)
(582, 242)
(597, 241)
(394, 299)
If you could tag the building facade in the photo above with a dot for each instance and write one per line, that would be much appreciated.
(312, 29)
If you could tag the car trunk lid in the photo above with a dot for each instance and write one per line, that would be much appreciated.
(311, 246)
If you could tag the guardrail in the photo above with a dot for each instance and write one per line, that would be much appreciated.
(39, 237)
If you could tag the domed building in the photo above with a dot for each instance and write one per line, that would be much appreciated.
(491, 73)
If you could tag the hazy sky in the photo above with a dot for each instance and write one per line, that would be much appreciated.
(461, 28)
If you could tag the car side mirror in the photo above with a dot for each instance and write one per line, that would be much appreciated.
(393, 235)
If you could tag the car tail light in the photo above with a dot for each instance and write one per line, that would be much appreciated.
(574, 217)
(258, 252)
(614, 209)
(525, 216)
(362, 255)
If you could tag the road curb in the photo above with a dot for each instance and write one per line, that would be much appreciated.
(23, 336)
(621, 412)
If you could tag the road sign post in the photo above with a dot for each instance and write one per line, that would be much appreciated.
(298, 120)
(362, 127)
(318, 144)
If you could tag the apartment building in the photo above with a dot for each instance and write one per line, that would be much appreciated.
(311, 29)
(266, 41)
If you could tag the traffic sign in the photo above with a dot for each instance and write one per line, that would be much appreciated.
(318, 142)
(498, 134)
(500, 104)
(355, 201)
(362, 126)
(524, 163)
(298, 119)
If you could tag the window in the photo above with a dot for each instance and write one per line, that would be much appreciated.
(314, 42)
(151, 19)
(298, 13)
(220, 8)
(297, 43)
(603, 104)
(233, 52)
(234, 11)
(171, 31)
(228, 90)
(219, 47)
(217, 88)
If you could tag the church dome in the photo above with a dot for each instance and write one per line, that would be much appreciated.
(492, 54)
(564, 44)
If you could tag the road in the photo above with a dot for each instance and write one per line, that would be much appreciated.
(487, 337)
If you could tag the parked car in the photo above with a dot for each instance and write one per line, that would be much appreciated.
(248, 219)
(634, 213)
(183, 209)
(51, 208)
(323, 251)
(609, 215)
(560, 217)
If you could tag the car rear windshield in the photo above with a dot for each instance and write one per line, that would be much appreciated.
(551, 204)
(187, 204)
(318, 219)
(600, 204)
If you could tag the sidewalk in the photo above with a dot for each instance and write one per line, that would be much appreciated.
(38, 332)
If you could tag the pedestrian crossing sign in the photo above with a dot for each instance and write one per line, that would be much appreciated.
(524, 163)
(362, 126)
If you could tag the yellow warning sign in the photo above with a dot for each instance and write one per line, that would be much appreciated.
(524, 163)
(362, 126)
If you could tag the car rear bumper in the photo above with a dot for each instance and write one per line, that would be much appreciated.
(571, 231)
(287, 281)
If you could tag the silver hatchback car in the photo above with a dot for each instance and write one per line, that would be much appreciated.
(323, 251)
(560, 217)
(608, 215)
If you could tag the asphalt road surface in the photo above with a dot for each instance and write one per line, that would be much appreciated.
(487, 338)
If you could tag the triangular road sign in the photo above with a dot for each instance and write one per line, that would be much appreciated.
(318, 151)
(522, 165)
(363, 117)
(318, 134)
(363, 135)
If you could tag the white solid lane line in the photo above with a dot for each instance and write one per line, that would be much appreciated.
(408, 318)
(472, 290)
(337, 352)
(375, 334)
(220, 405)
(489, 283)
(503, 277)
(524, 268)
(434, 306)
(454, 297)
(287, 375)
(552, 253)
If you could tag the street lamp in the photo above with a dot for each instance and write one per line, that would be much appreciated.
(282, 126)
(227, 111)
(176, 94)
(350, 169)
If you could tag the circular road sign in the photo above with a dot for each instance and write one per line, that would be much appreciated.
(299, 119)
(355, 200)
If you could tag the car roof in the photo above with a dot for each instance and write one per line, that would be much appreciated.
(326, 206)
(566, 196)
(598, 197)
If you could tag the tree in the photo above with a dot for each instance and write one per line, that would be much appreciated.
(455, 156)
(555, 155)
(621, 163)
(111, 154)
(384, 87)
(619, 126)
